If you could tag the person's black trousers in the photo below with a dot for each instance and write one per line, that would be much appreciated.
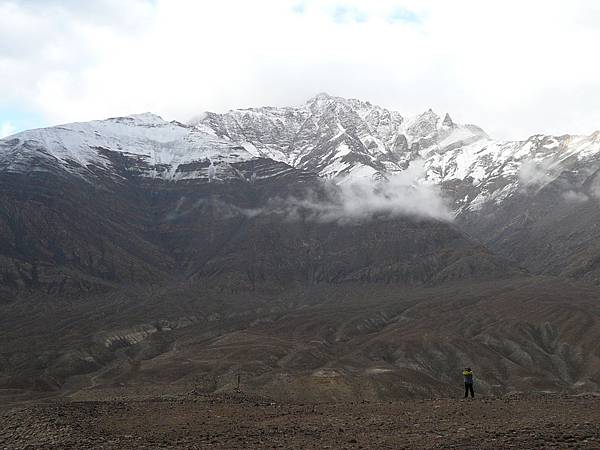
(469, 388)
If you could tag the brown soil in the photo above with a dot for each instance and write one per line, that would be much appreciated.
(196, 420)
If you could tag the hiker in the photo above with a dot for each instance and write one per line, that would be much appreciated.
(468, 376)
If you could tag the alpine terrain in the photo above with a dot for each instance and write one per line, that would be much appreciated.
(331, 251)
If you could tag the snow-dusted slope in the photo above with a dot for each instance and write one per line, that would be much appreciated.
(344, 139)
(491, 171)
(338, 137)
(151, 146)
(349, 139)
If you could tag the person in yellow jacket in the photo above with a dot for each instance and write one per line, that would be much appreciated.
(468, 376)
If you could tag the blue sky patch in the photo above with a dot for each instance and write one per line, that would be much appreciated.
(404, 15)
(346, 14)
(299, 8)
(19, 119)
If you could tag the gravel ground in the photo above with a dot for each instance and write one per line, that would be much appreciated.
(237, 420)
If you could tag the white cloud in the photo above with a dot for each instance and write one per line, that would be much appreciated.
(515, 68)
(535, 173)
(403, 194)
(6, 129)
(575, 197)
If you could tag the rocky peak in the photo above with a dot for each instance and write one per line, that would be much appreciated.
(143, 119)
(324, 102)
(321, 96)
(447, 122)
(424, 125)
(319, 101)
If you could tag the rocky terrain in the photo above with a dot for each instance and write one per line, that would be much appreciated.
(535, 201)
(338, 343)
(237, 420)
(333, 251)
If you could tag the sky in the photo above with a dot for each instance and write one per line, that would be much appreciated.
(515, 68)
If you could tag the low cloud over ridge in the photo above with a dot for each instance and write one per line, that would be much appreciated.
(405, 194)
(402, 194)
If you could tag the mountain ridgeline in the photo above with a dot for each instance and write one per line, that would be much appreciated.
(336, 245)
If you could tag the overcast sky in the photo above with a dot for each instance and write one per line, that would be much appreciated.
(515, 68)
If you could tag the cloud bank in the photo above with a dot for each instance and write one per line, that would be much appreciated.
(403, 194)
(513, 67)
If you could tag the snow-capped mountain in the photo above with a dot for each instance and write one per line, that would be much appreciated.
(349, 139)
(134, 223)
(151, 146)
(334, 137)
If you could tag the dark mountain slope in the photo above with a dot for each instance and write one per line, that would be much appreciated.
(551, 229)
(63, 234)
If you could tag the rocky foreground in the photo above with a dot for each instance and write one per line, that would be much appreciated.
(237, 420)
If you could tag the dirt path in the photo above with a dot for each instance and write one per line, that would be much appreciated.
(241, 421)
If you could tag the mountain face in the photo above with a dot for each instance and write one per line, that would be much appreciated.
(345, 139)
(335, 137)
(349, 139)
(64, 234)
(334, 241)
(522, 198)
(142, 145)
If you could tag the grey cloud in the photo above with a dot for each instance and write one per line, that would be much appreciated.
(403, 194)
(575, 197)
(535, 173)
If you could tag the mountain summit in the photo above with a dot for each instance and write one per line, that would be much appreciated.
(334, 137)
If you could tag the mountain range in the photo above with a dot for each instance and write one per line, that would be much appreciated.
(328, 250)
